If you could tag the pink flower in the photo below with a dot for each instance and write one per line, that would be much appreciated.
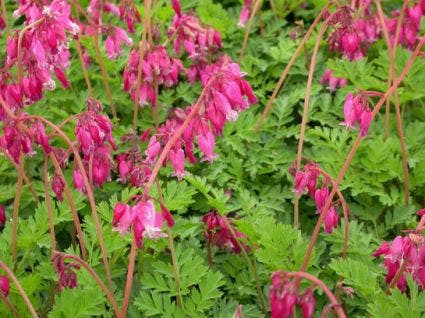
(4, 285)
(321, 196)
(58, 185)
(2, 216)
(333, 82)
(147, 222)
(206, 144)
(365, 120)
(409, 250)
(282, 296)
(113, 43)
(300, 182)
(67, 276)
(331, 219)
(356, 110)
(78, 181)
(307, 302)
(153, 150)
(167, 216)
(40, 137)
(123, 217)
(177, 161)
(218, 233)
(246, 9)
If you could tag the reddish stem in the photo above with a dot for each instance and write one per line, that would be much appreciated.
(305, 113)
(152, 178)
(352, 152)
(397, 275)
(10, 306)
(334, 302)
(130, 274)
(49, 206)
(80, 165)
(16, 204)
(392, 51)
(4, 15)
(71, 203)
(20, 289)
(104, 74)
(96, 277)
(255, 8)
(174, 260)
(26, 179)
(288, 68)
(142, 49)
(83, 66)
(343, 205)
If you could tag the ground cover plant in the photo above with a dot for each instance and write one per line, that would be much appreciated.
(203, 158)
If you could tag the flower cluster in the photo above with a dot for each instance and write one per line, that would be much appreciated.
(284, 298)
(158, 68)
(97, 7)
(199, 42)
(356, 110)
(227, 94)
(129, 14)
(114, 39)
(66, 271)
(410, 27)
(406, 254)
(217, 233)
(93, 131)
(353, 35)
(146, 222)
(332, 82)
(44, 49)
(4, 285)
(115, 36)
(307, 180)
(15, 141)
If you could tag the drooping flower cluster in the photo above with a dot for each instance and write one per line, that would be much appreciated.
(4, 285)
(158, 68)
(15, 141)
(227, 94)
(354, 32)
(198, 41)
(114, 39)
(44, 49)
(405, 253)
(356, 110)
(93, 131)
(146, 222)
(410, 27)
(284, 298)
(307, 180)
(97, 7)
(332, 82)
(115, 36)
(344, 38)
(66, 271)
(129, 14)
(218, 233)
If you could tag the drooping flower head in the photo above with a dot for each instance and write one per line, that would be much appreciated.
(407, 251)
